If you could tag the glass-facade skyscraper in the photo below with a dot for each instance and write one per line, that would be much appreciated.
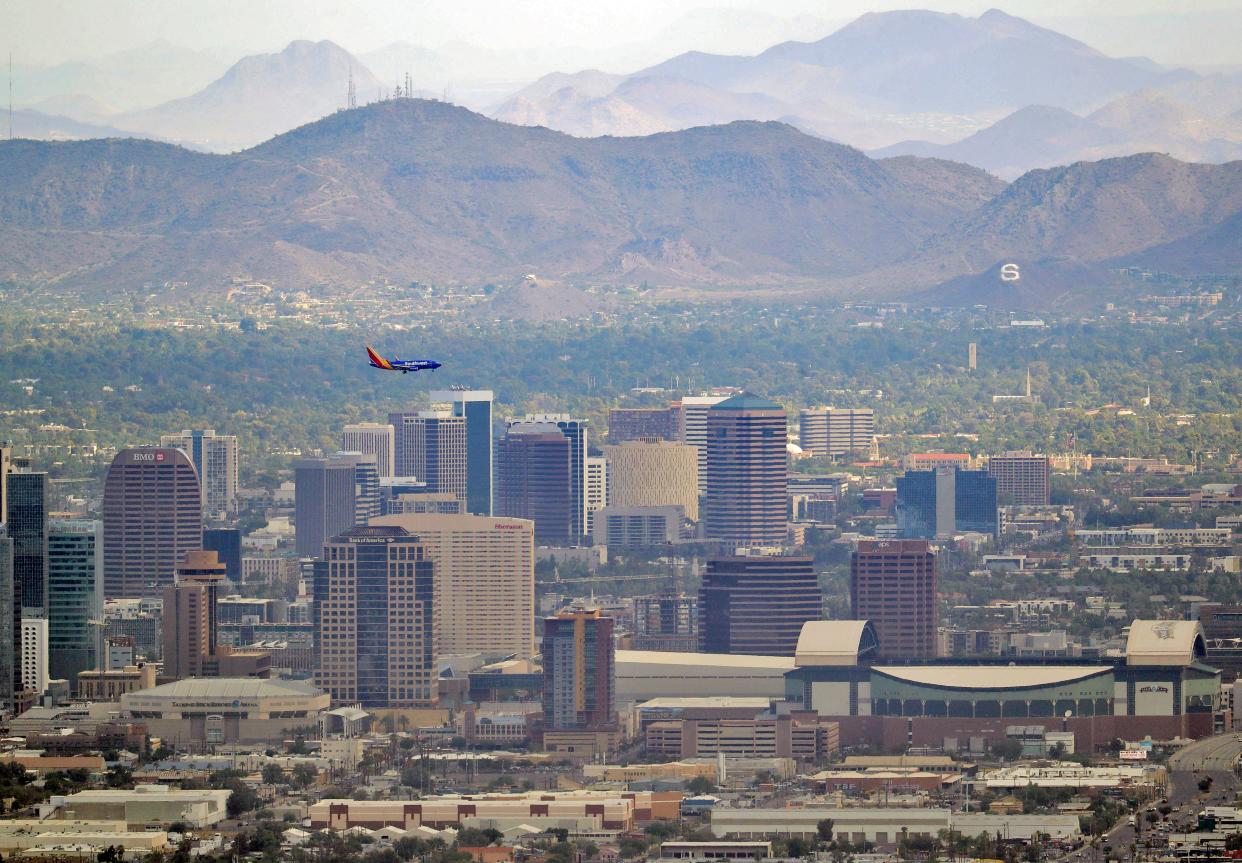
(27, 520)
(476, 407)
(75, 596)
(932, 503)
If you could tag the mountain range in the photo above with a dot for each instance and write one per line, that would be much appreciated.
(995, 91)
(411, 189)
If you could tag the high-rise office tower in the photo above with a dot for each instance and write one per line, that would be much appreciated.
(575, 431)
(533, 467)
(152, 515)
(190, 616)
(836, 431)
(74, 596)
(654, 473)
(215, 457)
(475, 407)
(5, 463)
(34, 654)
(10, 626)
(936, 503)
(27, 520)
(625, 424)
(596, 487)
(332, 495)
(691, 418)
(747, 472)
(485, 580)
(974, 502)
(1021, 478)
(431, 445)
(893, 584)
(578, 672)
(226, 543)
(375, 619)
(757, 604)
(374, 439)
(972, 356)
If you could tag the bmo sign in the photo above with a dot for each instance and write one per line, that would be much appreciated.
(155, 456)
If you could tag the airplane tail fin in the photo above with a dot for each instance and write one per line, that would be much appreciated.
(376, 360)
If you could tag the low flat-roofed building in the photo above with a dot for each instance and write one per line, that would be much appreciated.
(700, 707)
(75, 839)
(226, 709)
(722, 850)
(802, 735)
(933, 763)
(110, 684)
(41, 765)
(147, 804)
(645, 674)
(578, 811)
(864, 782)
(885, 826)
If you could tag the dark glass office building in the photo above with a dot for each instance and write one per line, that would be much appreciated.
(226, 543)
(75, 588)
(932, 503)
(757, 604)
(974, 501)
(28, 530)
(533, 481)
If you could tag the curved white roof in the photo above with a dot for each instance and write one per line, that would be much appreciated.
(991, 676)
(1164, 642)
(832, 642)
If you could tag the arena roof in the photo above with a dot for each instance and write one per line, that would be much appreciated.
(991, 676)
(835, 642)
(230, 687)
(1165, 642)
(713, 661)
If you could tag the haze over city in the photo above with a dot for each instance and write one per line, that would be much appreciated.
(621, 432)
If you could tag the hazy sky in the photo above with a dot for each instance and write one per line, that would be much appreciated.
(52, 31)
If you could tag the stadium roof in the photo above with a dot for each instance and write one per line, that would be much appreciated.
(991, 676)
(835, 642)
(714, 661)
(742, 701)
(1165, 642)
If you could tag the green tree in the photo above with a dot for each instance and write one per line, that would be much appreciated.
(700, 785)
(273, 774)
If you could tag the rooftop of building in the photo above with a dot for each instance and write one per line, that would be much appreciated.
(714, 661)
(1165, 642)
(411, 521)
(746, 402)
(706, 701)
(991, 676)
(835, 642)
(230, 687)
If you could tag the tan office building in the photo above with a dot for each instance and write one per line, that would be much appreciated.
(654, 473)
(484, 579)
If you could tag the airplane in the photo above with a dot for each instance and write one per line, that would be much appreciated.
(403, 366)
